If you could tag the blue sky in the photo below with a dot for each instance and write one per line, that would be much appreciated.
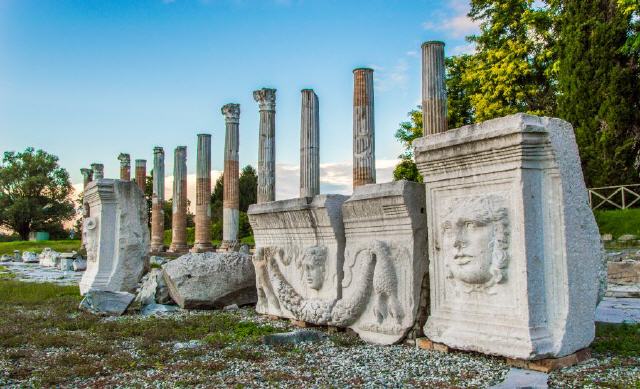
(88, 79)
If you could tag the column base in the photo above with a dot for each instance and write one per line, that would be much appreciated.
(230, 245)
(156, 248)
(201, 247)
(178, 248)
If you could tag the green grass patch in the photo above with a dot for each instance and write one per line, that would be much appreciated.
(618, 222)
(25, 245)
(6, 274)
(617, 339)
(29, 294)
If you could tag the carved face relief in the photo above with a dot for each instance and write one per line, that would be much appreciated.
(475, 237)
(313, 266)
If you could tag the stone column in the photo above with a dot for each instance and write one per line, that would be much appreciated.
(203, 195)
(98, 171)
(266, 99)
(125, 166)
(364, 147)
(179, 217)
(309, 145)
(157, 201)
(434, 94)
(231, 200)
(87, 176)
(141, 173)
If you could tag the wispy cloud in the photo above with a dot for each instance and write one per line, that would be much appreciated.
(454, 23)
(395, 77)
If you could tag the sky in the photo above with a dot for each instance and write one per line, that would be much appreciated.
(88, 79)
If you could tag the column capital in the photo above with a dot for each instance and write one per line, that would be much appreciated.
(125, 159)
(266, 98)
(231, 112)
(158, 150)
(86, 173)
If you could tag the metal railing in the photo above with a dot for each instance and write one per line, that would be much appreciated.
(616, 197)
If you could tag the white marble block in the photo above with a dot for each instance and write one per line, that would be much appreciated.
(385, 258)
(299, 256)
(513, 245)
(115, 234)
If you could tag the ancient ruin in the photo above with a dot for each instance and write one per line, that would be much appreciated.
(87, 177)
(125, 166)
(179, 217)
(266, 99)
(309, 145)
(141, 174)
(231, 195)
(364, 148)
(98, 171)
(157, 201)
(203, 195)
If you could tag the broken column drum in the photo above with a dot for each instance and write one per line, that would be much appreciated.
(309, 145)
(203, 195)
(125, 166)
(98, 171)
(179, 212)
(231, 199)
(434, 94)
(157, 201)
(115, 234)
(514, 249)
(266, 99)
(364, 149)
(87, 177)
(141, 173)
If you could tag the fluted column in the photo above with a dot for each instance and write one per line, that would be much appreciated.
(309, 145)
(125, 166)
(87, 176)
(179, 217)
(203, 195)
(157, 201)
(141, 173)
(266, 99)
(364, 147)
(231, 199)
(98, 171)
(434, 93)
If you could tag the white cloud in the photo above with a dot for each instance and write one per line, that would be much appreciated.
(469, 48)
(456, 24)
(395, 78)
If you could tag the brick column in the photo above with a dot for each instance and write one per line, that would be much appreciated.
(141, 173)
(231, 201)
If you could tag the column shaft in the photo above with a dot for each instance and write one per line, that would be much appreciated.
(141, 174)
(157, 201)
(203, 195)
(98, 171)
(231, 199)
(309, 145)
(266, 99)
(364, 158)
(434, 94)
(179, 217)
(87, 176)
(125, 166)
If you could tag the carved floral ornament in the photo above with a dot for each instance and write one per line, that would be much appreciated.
(475, 242)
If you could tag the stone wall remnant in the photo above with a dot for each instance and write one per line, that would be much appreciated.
(116, 236)
(231, 195)
(202, 241)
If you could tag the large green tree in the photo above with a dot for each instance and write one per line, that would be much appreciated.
(34, 192)
(248, 182)
(599, 88)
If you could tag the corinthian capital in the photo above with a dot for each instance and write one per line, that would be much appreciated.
(266, 99)
(125, 159)
(231, 112)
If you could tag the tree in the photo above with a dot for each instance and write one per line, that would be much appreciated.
(248, 187)
(460, 111)
(599, 89)
(34, 192)
(248, 182)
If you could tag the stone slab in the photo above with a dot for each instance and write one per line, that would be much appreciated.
(102, 302)
(618, 310)
(521, 378)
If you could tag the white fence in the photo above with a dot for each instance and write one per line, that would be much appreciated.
(616, 197)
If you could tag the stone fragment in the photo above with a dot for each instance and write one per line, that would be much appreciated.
(102, 302)
(6, 258)
(627, 238)
(607, 238)
(514, 249)
(116, 236)
(232, 307)
(299, 256)
(385, 260)
(158, 261)
(618, 310)
(79, 264)
(624, 272)
(66, 264)
(29, 257)
(154, 309)
(153, 289)
(520, 378)
(190, 345)
(211, 280)
(49, 258)
(17, 257)
(294, 337)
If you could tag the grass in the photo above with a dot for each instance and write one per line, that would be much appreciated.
(621, 340)
(25, 245)
(619, 222)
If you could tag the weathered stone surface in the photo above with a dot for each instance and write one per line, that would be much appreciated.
(624, 272)
(179, 215)
(299, 256)
(6, 258)
(153, 289)
(618, 310)
(627, 238)
(434, 92)
(294, 337)
(364, 147)
(79, 264)
(158, 309)
(309, 145)
(17, 257)
(607, 237)
(520, 378)
(211, 280)
(66, 264)
(158, 261)
(29, 257)
(101, 302)
(266, 99)
(157, 201)
(231, 195)
(49, 257)
(514, 248)
(203, 195)
(116, 236)
(385, 260)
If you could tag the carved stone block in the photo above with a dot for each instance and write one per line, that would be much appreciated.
(385, 259)
(513, 245)
(299, 256)
(115, 234)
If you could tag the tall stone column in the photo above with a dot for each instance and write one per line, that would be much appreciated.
(231, 200)
(309, 145)
(98, 171)
(125, 166)
(141, 173)
(364, 147)
(179, 217)
(434, 93)
(157, 201)
(203, 195)
(87, 176)
(266, 99)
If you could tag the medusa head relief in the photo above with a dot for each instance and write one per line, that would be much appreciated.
(475, 241)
